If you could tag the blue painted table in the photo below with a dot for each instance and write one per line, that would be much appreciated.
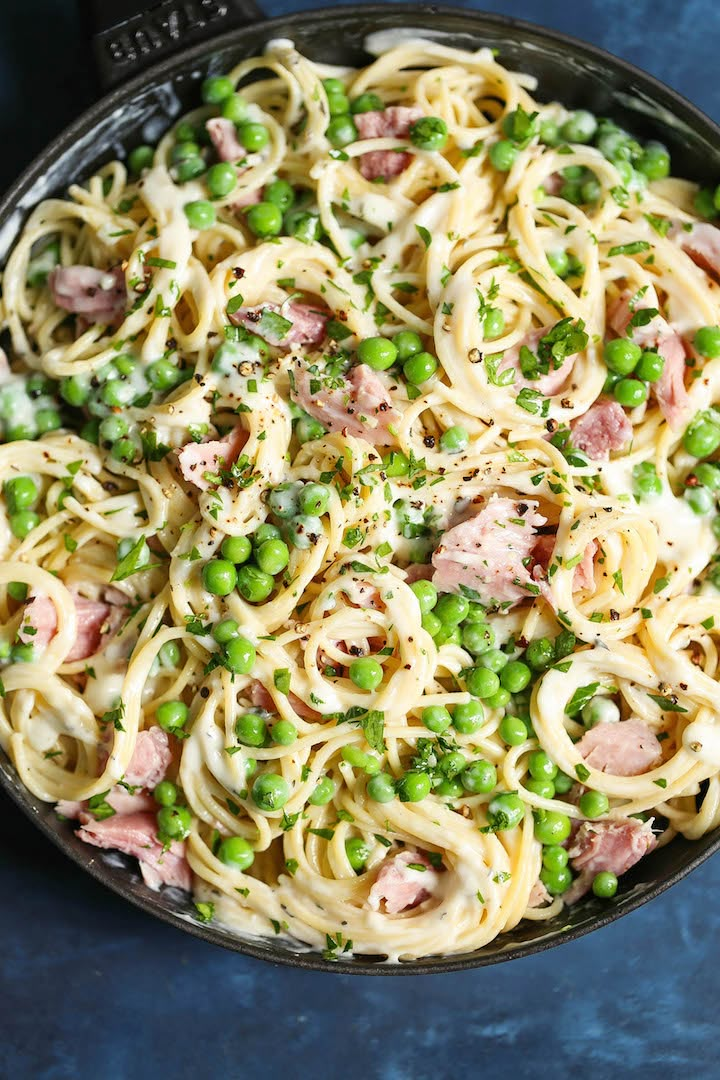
(90, 987)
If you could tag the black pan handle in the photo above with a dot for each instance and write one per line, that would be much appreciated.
(130, 35)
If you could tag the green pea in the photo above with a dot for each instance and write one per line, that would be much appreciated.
(468, 717)
(200, 214)
(426, 595)
(225, 630)
(605, 884)
(448, 635)
(264, 533)
(21, 493)
(540, 654)
(479, 777)
(307, 429)
(452, 763)
(513, 731)
(284, 733)
(140, 158)
(367, 103)
(494, 660)
(169, 654)
(515, 676)
(264, 219)
(451, 609)
(499, 700)
(650, 366)
(184, 150)
(189, 169)
(591, 190)
(704, 203)
(236, 852)
(251, 729)
(554, 857)
(707, 341)
(702, 438)
(646, 482)
(413, 787)
(341, 131)
(478, 638)
(559, 262)
(482, 683)
(700, 500)
(630, 393)
(216, 89)
(503, 155)
(272, 556)
(708, 474)
(172, 716)
(17, 590)
(240, 655)
(436, 718)
(541, 766)
(165, 793)
(476, 613)
(23, 522)
(431, 624)
(221, 179)
(47, 420)
(655, 161)
(381, 788)
(283, 500)
(622, 355)
(419, 368)
(544, 788)
(563, 783)
(254, 584)
(236, 549)
(22, 654)
(551, 827)
(593, 804)
(366, 673)
(454, 440)
(323, 793)
(117, 392)
(378, 353)
(281, 194)
(429, 133)
(505, 811)
(580, 127)
(305, 531)
(556, 881)
(234, 108)
(314, 499)
(338, 104)
(408, 344)
(174, 822)
(333, 86)
(549, 131)
(219, 577)
(270, 792)
(75, 391)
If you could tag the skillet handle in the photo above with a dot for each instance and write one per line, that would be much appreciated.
(131, 35)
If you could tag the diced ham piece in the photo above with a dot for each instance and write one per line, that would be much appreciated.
(308, 323)
(150, 759)
(394, 123)
(246, 198)
(94, 623)
(487, 553)
(584, 576)
(99, 295)
(606, 845)
(604, 427)
(122, 802)
(400, 886)
(547, 384)
(263, 699)
(702, 244)
(659, 335)
(538, 895)
(200, 461)
(361, 408)
(136, 835)
(627, 748)
(223, 135)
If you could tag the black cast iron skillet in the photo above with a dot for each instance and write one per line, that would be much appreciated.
(179, 42)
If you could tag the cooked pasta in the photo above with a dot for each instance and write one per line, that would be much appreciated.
(360, 564)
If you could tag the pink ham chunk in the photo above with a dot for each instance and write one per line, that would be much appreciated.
(223, 135)
(538, 895)
(150, 759)
(400, 886)
(604, 427)
(606, 845)
(94, 623)
(584, 576)
(547, 384)
(200, 462)
(361, 407)
(488, 553)
(394, 123)
(702, 244)
(98, 295)
(308, 324)
(122, 802)
(658, 335)
(263, 699)
(626, 748)
(136, 835)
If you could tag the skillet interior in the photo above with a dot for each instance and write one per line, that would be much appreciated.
(571, 72)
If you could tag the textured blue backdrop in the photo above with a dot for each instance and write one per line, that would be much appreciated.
(91, 987)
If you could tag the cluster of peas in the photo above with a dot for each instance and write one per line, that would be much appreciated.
(427, 133)
(631, 369)
(17, 652)
(21, 497)
(251, 564)
(28, 407)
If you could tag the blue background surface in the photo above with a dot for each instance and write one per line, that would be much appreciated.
(91, 987)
